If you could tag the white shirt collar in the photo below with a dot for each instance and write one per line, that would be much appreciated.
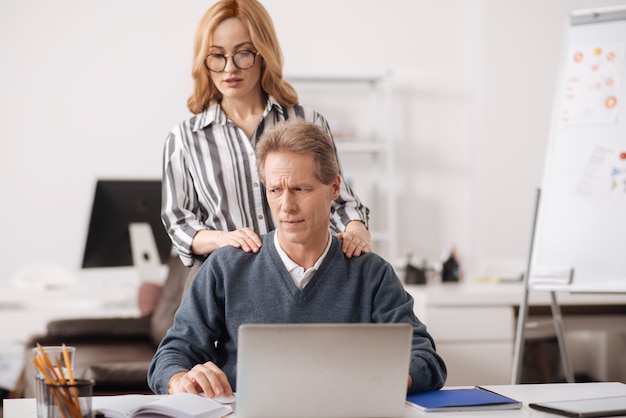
(300, 276)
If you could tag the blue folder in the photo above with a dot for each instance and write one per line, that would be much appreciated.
(470, 399)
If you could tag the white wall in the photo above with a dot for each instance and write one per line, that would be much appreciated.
(90, 90)
(522, 51)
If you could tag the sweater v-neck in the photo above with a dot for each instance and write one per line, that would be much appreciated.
(304, 294)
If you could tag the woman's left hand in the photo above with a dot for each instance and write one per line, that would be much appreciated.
(356, 239)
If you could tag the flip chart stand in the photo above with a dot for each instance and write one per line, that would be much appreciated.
(557, 317)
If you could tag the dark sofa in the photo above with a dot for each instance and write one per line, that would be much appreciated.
(115, 352)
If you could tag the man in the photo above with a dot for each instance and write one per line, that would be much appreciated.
(300, 275)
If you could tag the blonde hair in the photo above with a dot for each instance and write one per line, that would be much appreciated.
(263, 36)
(299, 137)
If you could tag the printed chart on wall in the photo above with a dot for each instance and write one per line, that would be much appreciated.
(580, 235)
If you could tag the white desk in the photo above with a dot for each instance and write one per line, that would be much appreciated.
(24, 311)
(25, 408)
(474, 325)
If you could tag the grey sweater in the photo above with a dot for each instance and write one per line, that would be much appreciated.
(234, 287)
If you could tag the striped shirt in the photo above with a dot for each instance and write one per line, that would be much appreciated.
(210, 179)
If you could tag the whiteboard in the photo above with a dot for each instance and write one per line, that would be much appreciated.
(580, 232)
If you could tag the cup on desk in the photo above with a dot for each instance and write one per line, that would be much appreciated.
(58, 355)
(67, 400)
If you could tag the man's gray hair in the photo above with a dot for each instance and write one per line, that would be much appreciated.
(300, 137)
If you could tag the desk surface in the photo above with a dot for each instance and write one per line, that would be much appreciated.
(499, 294)
(25, 408)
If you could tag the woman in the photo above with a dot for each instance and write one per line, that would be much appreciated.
(212, 196)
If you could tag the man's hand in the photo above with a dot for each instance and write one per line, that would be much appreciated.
(204, 378)
(356, 239)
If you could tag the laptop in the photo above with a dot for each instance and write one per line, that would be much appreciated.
(322, 370)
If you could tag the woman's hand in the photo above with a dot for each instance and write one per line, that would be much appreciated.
(204, 378)
(207, 241)
(356, 239)
(244, 238)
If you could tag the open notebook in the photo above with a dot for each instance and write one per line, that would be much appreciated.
(322, 370)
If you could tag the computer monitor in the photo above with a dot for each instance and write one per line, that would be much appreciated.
(118, 205)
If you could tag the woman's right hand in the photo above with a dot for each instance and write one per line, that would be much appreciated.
(207, 241)
(244, 238)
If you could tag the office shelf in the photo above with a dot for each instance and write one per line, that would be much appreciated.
(358, 110)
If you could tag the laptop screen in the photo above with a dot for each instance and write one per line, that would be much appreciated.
(322, 370)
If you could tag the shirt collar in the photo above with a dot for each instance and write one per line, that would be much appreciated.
(215, 114)
(290, 265)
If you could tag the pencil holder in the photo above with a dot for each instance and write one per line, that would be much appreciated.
(56, 355)
(67, 400)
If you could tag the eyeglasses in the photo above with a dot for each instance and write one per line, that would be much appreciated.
(242, 60)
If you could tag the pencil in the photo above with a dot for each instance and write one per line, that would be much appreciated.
(70, 374)
(66, 357)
